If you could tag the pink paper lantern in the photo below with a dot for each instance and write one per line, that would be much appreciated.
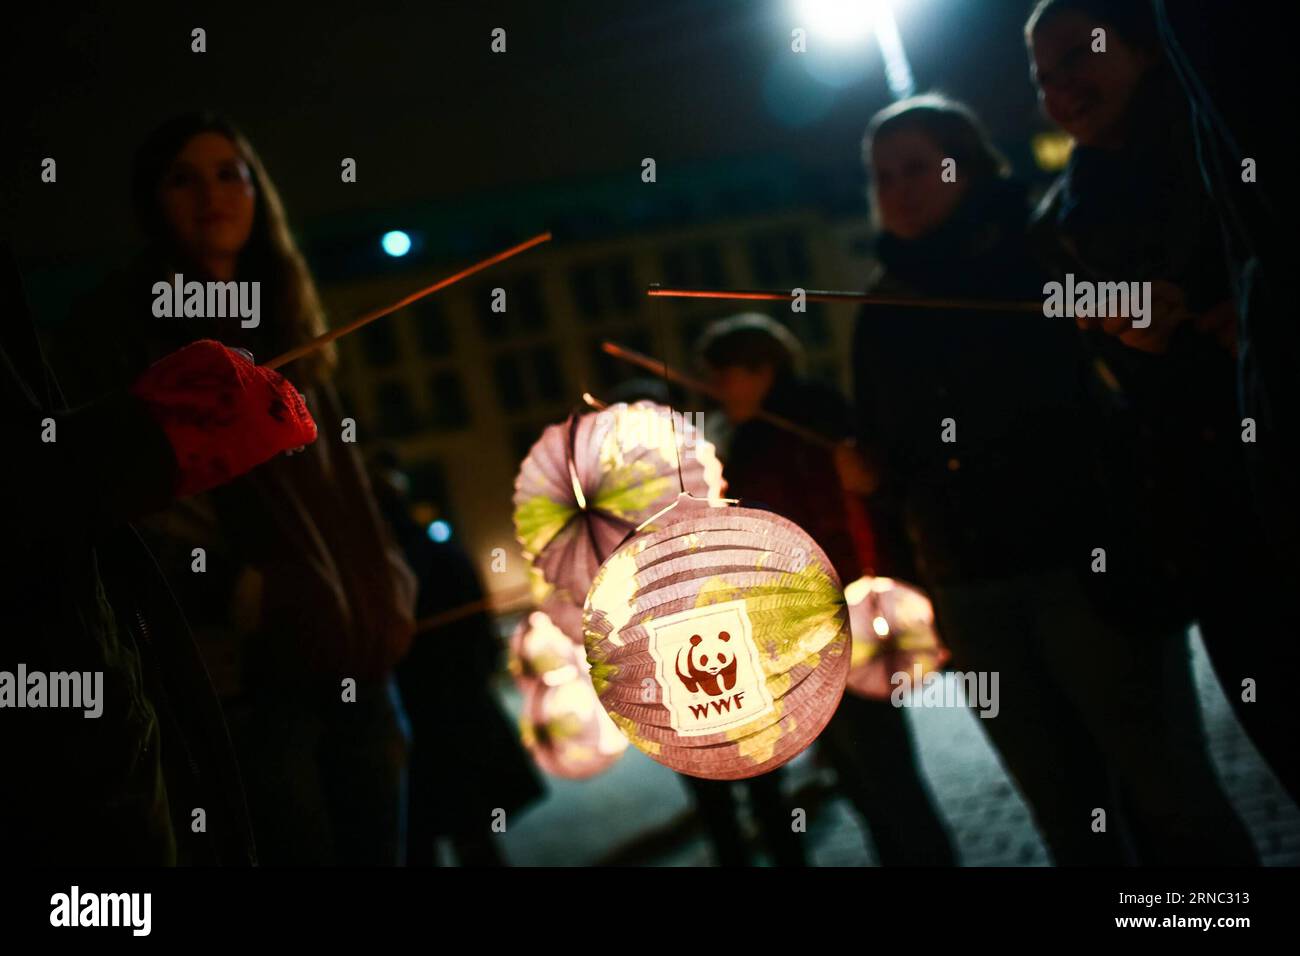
(589, 482)
(567, 731)
(893, 632)
(540, 652)
(720, 643)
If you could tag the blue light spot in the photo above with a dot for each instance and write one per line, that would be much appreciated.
(439, 531)
(396, 243)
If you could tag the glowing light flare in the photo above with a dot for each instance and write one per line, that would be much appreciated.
(1052, 150)
(396, 243)
(851, 21)
(898, 72)
(843, 21)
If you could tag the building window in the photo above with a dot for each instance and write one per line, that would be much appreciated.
(509, 381)
(431, 328)
(604, 289)
(547, 376)
(527, 377)
(525, 300)
(397, 417)
(696, 265)
(780, 259)
(624, 295)
(585, 286)
(378, 344)
(525, 308)
(450, 411)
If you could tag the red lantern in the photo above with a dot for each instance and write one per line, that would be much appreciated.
(720, 643)
(893, 632)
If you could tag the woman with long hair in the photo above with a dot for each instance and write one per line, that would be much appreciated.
(300, 600)
(977, 424)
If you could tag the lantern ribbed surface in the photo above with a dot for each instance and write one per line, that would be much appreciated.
(719, 644)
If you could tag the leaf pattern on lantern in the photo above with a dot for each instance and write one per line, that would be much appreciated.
(589, 482)
(793, 612)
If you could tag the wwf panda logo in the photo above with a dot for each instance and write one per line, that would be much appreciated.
(710, 664)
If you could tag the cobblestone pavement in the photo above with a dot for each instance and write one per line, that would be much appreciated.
(640, 812)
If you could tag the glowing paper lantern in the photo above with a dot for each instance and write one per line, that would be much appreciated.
(567, 731)
(590, 481)
(720, 643)
(893, 632)
(540, 652)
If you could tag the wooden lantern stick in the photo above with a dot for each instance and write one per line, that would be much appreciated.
(860, 298)
(636, 358)
(322, 340)
(507, 602)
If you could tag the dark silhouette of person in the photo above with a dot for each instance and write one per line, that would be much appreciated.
(151, 779)
(467, 763)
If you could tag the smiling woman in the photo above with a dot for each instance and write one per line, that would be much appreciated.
(209, 209)
(208, 200)
(1089, 58)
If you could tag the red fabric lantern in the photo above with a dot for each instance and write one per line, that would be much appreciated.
(893, 632)
(720, 643)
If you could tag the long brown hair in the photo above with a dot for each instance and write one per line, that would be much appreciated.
(270, 255)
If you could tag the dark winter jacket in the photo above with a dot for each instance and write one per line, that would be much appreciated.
(1236, 124)
(83, 594)
(467, 758)
(1174, 462)
(1008, 496)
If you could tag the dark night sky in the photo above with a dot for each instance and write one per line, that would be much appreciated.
(413, 92)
